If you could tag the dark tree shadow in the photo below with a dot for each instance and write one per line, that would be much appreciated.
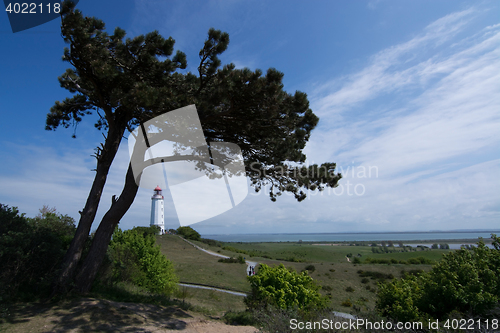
(96, 315)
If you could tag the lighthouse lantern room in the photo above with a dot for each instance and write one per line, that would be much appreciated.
(157, 210)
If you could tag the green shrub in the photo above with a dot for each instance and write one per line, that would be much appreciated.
(310, 268)
(347, 303)
(238, 260)
(292, 259)
(397, 299)
(31, 250)
(189, 233)
(136, 258)
(283, 288)
(244, 318)
(376, 275)
(420, 261)
(151, 230)
(467, 281)
(411, 272)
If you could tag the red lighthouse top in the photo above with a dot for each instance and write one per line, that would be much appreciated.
(157, 194)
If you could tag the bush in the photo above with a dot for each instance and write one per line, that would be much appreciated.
(411, 272)
(310, 268)
(291, 259)
(151, 230)
(420, 261)
(375, 275)
(286, 289)
(31, 251)
(349, 289)
(365, 280)
(238, 260)
(245, 318)
(136, 258)
(347, 303)
(189, 233)
(467, 281)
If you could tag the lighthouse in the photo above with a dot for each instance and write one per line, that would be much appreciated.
(157, 210)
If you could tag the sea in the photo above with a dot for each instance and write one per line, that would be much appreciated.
(353, 237)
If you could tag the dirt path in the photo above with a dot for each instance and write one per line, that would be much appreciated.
(202, 249)
(249, 263)
(88, 314)
(253, 264)
(236, 293)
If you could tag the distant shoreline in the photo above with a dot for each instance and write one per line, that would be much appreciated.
(361, 237)
(341, 243)
(363, 233)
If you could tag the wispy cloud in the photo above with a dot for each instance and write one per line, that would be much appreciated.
(388, 70)
(425, 113)
(440, 107)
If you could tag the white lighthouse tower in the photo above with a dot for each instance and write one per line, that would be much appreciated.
(157, 210)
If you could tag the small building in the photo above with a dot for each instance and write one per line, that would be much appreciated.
(157, 210)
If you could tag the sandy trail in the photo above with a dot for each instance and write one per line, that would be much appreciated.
(90, 315)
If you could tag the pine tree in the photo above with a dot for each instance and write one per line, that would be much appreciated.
(129, 81)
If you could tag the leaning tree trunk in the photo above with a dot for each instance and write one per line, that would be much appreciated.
(87, 216)
(87, 273)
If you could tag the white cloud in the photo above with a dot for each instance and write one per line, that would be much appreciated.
(428, 127)
(385, 74)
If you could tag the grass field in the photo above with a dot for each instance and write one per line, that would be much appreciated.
(340, 280)
(195, 266)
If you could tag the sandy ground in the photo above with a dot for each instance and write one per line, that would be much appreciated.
(95, 315)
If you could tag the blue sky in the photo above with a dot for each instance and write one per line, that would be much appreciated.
(408, 95)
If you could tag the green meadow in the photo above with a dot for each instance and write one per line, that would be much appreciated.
(347, 284)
